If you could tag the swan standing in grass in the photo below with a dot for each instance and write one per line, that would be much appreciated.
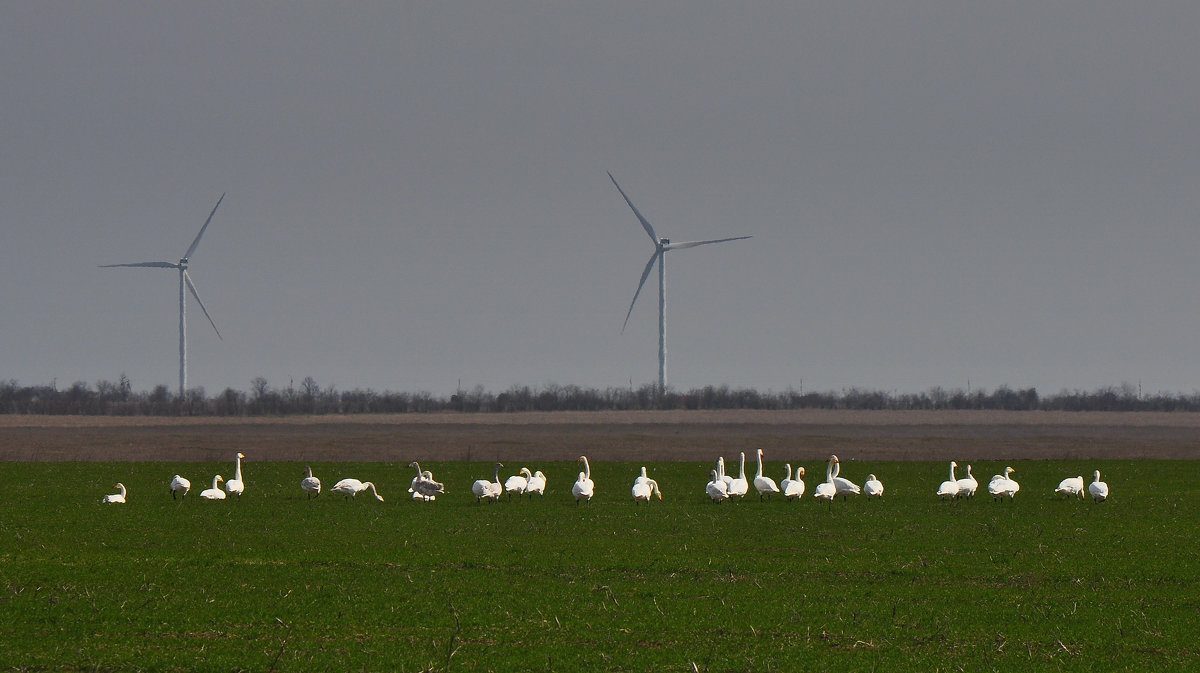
(826, 489)
(793, 488)
(721, 473)
(949, 488)
(352, 487)
(310, 484)
(1071, 487)
(115, 498)
(537, 484)
(424, 488)
(517, 483)
(717, 489)
(842, 485)
(235, 486)
(584, 488)
(1098, 489)
(489, 490)
(1003, 485)
(873, 488)
(967, 485)
(214, 493)
(739, 486)
(180, 487)
(763, 484)
(643, 490)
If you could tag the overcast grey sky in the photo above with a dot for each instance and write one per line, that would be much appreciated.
(938, 191)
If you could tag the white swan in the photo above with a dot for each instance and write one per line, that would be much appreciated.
(717, 489)
(949, 488)
(1003, 485)
(115, 498)
(873, 488)
(350, 488)
(235, 486)
(721, 473)
(843, 485)
(517, 483)
(739, 486)
(967, 485)
(1071, 487)
(180, 487)
(643, 477)
(584, 488)
(826, 490)
(489, 490)
(1098, 489)
(763, 484)
(424, 487)
(793, 488)
(537, 484)
(310, 484)
(214, 493)
(643, 490)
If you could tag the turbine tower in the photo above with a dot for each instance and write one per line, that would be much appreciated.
(661, 246)
(184, 280)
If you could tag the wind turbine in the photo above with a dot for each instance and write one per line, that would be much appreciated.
(661, 246)
(184, 279)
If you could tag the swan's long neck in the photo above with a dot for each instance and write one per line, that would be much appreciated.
(759, 473)
(721, 467)
(742, 466)
(371, 486)
(837, 469)
(952, 471)
(829, 472)
(238, 470)
(121, 488)
(1097, 476)
(215, 480)
(654, 488)
(418, 466)
(587, 469)
(715, 476)
(789, 471)
(308, 471)
(496, 474)
(969, 475)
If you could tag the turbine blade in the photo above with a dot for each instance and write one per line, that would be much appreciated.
(188, 279)
(645, 225)
(192, 247)
(692, 244)
(156, 265)
(645, 275)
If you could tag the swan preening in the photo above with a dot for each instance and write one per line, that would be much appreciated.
(180, 487)
(717, 489)
(873, 488)
(489, 490)
(214, 493)
(310, 484)
(115, 498)
(584, 488)
(518, 483)
(235, 486)
(763, 484)
(424, 488)
(1003, 485)
(1098, 489)
(967, 485)
(537, 484)
(1071, 487)
(644, 487)
(352, 487)
(793, 488)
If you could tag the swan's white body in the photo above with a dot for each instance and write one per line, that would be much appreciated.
(643, 490)
(793, 488)
(115, 498)
(1071, 487)
(842, 485)
(424, 488)
(537, 484)
(949, 488)
(765, 485)
(873, 488)
(489, 490)
(352, 487)
(1003, 485)
(214, 493)
(584, 488)
(516, 484)
(967, 485)
(310, 484)
(739, 486)
(180, 487)
(1098, 489)
(717, 489)
(826, 490)
(235, 486)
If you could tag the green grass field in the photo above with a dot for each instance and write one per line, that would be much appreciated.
(275, 582)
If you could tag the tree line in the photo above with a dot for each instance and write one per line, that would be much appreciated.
(108, 398)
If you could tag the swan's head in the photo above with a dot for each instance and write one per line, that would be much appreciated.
(499, 465)
(525, 471)
(581, 477)
(241, 455)
(539, 474)
(1097, 475)
(1008, 471)
(760, 453)
(953, 464)
(714, 475)
(834, 459)
(427, 474)
(800, 471)
(870, 477)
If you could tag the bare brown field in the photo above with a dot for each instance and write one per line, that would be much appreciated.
(644, 435)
